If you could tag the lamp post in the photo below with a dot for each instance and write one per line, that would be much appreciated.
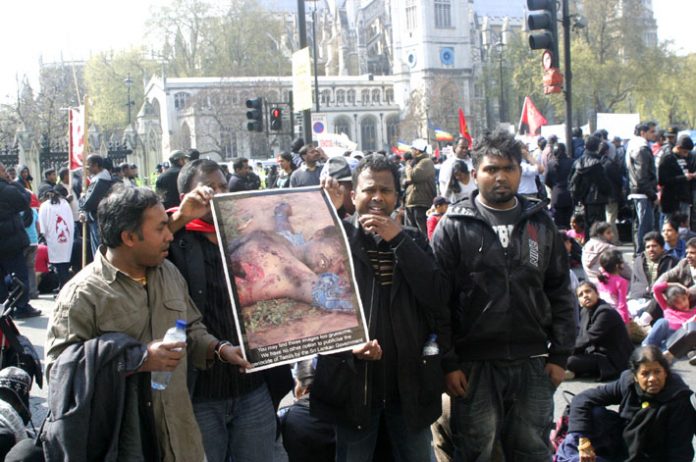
(302, 25)
(314, 52)
(129, 83)
(501, 104)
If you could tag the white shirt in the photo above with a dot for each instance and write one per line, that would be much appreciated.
(57, 226)
(446, 172)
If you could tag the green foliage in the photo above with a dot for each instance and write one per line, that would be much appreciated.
(105, 75)
(236, 38)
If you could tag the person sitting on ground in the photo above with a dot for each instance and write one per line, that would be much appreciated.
(577, 228)
(602, 347)
(601, 238)
(647, 267)
(305, 437)
(655, 422)
(674, 245)
(612, 287)
(437, 211)
(678, 306)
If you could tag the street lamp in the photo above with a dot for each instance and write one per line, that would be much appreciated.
(129, 83)
(501, 106)
(314, 46)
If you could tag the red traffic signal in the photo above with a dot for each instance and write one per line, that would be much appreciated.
(276, 119)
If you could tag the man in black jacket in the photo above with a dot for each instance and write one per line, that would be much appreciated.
(166, 185)
(235, 411)
(642, 177)
(513, 325)
(13, 240)
(403, 295)
(589, 184)
(675, 173)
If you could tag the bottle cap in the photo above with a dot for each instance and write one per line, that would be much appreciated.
(181, 324)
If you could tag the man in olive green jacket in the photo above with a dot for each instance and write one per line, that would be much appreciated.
(131, 288)
(420, 186)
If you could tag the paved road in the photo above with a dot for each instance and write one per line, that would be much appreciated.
(35, 329)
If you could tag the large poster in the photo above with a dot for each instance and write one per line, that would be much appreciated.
(290, 275)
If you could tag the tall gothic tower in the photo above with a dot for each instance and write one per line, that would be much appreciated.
(432, 46)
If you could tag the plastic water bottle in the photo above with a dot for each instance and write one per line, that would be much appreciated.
(430, 348)
(160, 379)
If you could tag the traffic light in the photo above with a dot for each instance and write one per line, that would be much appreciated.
(276, 119)
(543, 18)
(255, 114)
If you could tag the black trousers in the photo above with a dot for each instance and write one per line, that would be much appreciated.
(416, 217)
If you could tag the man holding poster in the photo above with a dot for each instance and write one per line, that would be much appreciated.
(234, 410)
(403, 296)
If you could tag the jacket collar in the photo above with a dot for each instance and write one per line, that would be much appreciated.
(468, 208)
(108, 271)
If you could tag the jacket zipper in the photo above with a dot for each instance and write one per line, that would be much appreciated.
(369, 327)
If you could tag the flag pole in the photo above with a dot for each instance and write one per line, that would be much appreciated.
(85, 151)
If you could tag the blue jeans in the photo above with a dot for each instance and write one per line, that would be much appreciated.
(241, 429)
(408, 445)
(507, 413)
(94, 237)
(645, 214)
(659, 333)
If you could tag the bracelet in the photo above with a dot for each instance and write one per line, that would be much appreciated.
(218, 350)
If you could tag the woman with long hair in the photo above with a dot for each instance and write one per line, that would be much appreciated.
(286, 168)
(461, 184)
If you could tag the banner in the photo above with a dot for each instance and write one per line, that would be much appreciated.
(531, 120)
(463, 128)
(301, 80)
(76, 139)
(441, 135)
(290, 275)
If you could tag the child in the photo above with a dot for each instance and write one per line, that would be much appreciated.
(612, 286)
(438, 209)
(677, 307)
(577, 231)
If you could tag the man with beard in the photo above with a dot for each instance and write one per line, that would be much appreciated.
(403, 296)
(513, 325)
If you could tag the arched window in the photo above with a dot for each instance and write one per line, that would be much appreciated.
(340, 97)
(443, 16)
(389, 96)
(351, 96)
(325, 97)
(392, 129)
(376, 96)
(368, 133)
(181, 100)
(342, 125)
(365, 96)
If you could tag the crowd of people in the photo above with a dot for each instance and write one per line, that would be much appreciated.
(487, 277)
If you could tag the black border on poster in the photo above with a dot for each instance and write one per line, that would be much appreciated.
(239, 325)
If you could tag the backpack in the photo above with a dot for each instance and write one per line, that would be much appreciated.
(560, 429)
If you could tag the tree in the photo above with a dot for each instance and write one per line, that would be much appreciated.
(105, 75)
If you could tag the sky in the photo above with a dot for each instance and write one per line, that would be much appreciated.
(74, 29)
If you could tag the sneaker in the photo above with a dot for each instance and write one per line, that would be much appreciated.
(569, 375)
(692, 357)
(28, 312)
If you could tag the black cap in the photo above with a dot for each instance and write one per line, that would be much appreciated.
(672, 131)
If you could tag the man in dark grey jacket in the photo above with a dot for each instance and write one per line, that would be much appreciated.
(642, 176)
(511, 311)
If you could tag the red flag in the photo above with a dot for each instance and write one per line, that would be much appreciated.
(463, 129)
(531, 120)
(76, 122)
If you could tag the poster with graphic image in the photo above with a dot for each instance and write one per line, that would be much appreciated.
(289, 273)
